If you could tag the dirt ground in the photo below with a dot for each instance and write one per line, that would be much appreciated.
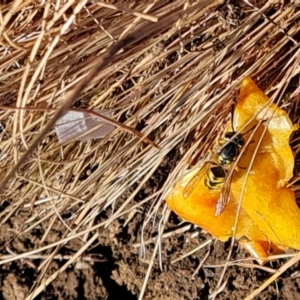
(113, 269)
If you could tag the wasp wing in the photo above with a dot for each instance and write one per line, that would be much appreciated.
(225, 194)
(191, 185)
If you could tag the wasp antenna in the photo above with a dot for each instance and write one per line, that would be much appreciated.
(249, 130)
(263, 121)
(232, 115)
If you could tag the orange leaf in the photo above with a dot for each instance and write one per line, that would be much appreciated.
(269, 213)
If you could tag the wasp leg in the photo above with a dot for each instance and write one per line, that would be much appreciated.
(265, 150)
(238, 168)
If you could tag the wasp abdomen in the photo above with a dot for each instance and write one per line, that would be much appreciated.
(215, 178)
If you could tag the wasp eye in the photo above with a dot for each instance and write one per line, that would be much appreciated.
(228, 135)
(241, 141)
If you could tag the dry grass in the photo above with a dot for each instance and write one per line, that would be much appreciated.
(172, 80)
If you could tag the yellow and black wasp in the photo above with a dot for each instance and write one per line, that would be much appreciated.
(218, 177)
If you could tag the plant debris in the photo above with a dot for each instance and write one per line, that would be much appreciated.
(168, 71)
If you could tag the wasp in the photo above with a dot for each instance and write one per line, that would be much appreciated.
(217, 177)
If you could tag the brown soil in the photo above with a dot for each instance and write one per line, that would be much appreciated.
(113, 269)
